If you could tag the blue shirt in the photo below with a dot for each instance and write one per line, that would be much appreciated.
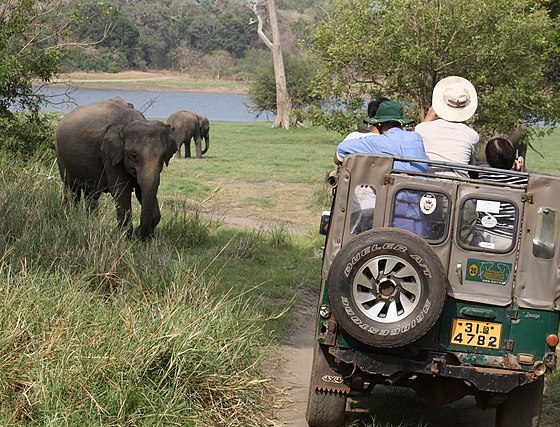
(394, 142)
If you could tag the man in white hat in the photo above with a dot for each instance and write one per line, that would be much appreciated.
(446, 137)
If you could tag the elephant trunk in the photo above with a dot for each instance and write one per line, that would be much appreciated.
(150, 215)
(206, 144)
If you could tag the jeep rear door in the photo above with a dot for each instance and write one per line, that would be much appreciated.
(485, 243)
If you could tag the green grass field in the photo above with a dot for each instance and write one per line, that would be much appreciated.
(546, 154)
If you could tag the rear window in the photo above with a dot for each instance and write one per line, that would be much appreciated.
(426, 214)
(487, 225)
(362, 207)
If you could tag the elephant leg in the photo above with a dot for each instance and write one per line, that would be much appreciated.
(92, 200)
(198, 147)
(188, 145)
(122, 195)
(138, 192)
(71, 196)
(72, 193)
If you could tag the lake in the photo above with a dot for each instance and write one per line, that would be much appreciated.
(228, 107)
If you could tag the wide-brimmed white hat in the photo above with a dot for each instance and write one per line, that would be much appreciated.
(454, 99)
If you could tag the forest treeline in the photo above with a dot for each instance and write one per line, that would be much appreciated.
(211, 36)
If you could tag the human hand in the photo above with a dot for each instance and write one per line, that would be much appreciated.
(518, 164)
(430, 115)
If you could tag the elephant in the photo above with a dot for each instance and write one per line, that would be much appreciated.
(186, 125)
(109, 147)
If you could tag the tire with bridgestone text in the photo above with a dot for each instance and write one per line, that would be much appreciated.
(387, 287)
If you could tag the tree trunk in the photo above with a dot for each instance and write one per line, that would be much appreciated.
(283, 102)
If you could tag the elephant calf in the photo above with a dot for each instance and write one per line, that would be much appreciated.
(110, 147)
(186, 126)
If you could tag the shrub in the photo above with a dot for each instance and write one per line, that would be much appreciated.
(95, 59)
(27, 135)
(299, 74)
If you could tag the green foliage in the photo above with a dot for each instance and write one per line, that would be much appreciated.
(89, 59)
(28, 135)
(25, 53)
(299, 75)
(216, 29)
(299, 5)
(402, 48)
(165, 27)
(108, 34)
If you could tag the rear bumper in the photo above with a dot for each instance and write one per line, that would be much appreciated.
(483, 378)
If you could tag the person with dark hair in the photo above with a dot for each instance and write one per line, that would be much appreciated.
(501, 154)
(374, 105)
(388, 138)
(366, 127)
(496, 228)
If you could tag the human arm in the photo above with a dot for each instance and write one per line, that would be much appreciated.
(336, 160)
(430, 115)
(352, 146)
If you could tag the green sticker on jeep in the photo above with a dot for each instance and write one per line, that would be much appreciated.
(492, 272)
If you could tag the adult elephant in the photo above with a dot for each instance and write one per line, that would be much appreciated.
(110, 147)
(185, 126)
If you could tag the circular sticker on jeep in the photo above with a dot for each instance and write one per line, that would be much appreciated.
(428, 203)
(489, 221)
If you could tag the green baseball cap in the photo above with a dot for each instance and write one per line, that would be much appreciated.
(389, 111)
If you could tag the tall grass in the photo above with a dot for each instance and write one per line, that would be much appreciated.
(98, 329)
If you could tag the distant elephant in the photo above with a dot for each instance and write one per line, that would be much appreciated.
(186, 125)
(109, 147)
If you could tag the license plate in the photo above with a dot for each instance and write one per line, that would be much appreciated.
(474, 333)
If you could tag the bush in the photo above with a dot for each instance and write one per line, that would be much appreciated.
(27, 135)
(299, 74)
(101, 59)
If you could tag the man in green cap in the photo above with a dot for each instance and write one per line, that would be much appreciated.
(392, 139)
(387, 137)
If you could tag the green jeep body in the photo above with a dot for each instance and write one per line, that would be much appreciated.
(447, 312)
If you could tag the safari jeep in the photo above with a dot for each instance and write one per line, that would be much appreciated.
(448, 285)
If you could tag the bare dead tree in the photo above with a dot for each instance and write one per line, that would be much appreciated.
(283, 102)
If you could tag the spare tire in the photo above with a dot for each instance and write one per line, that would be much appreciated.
(386, 287)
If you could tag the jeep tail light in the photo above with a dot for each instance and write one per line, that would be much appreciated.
(552, 340)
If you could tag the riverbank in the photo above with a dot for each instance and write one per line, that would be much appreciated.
(153, 80)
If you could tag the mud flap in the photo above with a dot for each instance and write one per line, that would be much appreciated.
(327, 374)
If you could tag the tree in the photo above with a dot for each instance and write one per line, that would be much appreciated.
(283, 102)
(299, 75)
(27, 52)
(218, 62)
(109, 33)
(402, 48)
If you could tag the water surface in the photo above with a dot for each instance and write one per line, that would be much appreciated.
(229, 107)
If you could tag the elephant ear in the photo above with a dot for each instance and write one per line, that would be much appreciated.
(171, 146)
(204, 124)
(113, 144)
